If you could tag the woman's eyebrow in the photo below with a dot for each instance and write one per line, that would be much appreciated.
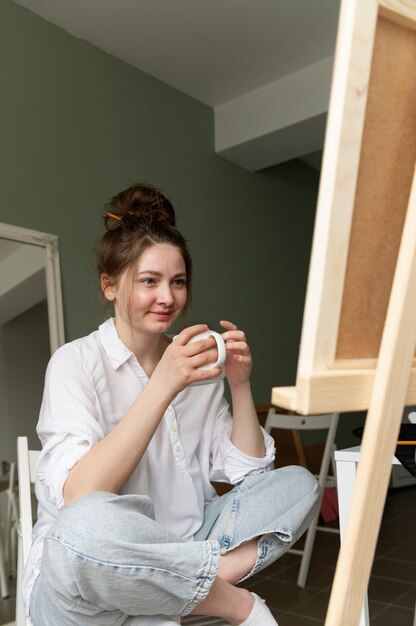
(153, 273)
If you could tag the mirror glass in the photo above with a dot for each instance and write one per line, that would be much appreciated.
(24, 342)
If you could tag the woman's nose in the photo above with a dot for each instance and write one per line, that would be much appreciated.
(165, 294)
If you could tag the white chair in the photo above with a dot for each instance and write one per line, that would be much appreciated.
(327, 422)
(26, 469)
(4, 579)
(12, 521)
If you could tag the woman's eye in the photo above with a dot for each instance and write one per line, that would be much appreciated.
(180, 282)
(148, 281)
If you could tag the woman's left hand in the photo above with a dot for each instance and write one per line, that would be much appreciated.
(238, 363)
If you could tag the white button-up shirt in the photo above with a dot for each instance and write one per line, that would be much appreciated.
(90, 385)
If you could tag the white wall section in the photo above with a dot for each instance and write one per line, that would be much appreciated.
(280, 121)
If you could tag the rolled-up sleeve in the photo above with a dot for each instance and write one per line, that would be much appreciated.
(68, 423)
(228, 463)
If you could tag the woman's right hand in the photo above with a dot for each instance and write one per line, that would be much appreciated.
(179, 364)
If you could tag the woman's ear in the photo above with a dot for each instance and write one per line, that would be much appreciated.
(108, 287)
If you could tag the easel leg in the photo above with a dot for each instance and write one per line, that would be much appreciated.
(380, 434)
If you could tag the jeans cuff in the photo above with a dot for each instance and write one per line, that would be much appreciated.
(207, 575)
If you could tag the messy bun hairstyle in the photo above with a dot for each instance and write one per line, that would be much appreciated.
(136, 219)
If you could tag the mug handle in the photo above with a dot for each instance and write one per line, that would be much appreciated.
(220, 347)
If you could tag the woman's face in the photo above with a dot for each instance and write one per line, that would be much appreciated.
(151, 297)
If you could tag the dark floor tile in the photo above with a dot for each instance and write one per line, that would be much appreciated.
(403, 514)
(393, 536)
(395, 570)
(399, 499)
(375, 608)
(329, 555)
(320, 575)
(323, 541)
(290, 619)
(387, 590)
(282, 596)
(316, 607)
(286, 562)
(396, 507)
(407, 600)
(394, 616)
(401, 528)
(405, 551)
(385, 546)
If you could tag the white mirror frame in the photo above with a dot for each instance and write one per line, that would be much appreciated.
(52, 272)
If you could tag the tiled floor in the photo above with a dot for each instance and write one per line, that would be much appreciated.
(392, 589)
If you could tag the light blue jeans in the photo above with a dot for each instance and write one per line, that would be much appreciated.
(106, 561)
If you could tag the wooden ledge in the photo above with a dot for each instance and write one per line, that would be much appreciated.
(333, 391)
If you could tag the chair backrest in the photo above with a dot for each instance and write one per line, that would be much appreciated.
(300, 422)
(26, 470)
(12, 519)
(327, 421)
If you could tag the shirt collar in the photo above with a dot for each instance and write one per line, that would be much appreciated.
(116, 350)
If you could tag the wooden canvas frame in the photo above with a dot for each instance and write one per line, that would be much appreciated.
(367, 196)
(368, 163)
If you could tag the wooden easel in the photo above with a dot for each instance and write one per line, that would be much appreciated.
(359, 328)
(380, 435)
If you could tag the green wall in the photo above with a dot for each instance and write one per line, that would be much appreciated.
(78, 125)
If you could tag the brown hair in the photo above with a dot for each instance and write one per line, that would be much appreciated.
(136, 219)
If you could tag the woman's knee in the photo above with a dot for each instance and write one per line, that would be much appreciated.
(297, 481)
(102, 503)
(303, 477)
(102, 514)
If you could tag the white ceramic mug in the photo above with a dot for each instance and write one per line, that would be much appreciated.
(220, 347)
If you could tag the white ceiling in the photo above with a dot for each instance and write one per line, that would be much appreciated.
(213, 50)
(218, 51)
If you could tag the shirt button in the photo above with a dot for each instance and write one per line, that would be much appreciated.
(173, 429)
(178, 449)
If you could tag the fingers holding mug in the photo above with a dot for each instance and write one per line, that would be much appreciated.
(220, 349)
(204, 350)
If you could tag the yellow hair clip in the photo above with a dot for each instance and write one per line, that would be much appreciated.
(114, 216)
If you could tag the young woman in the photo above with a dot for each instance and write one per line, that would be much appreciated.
(130, 530)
